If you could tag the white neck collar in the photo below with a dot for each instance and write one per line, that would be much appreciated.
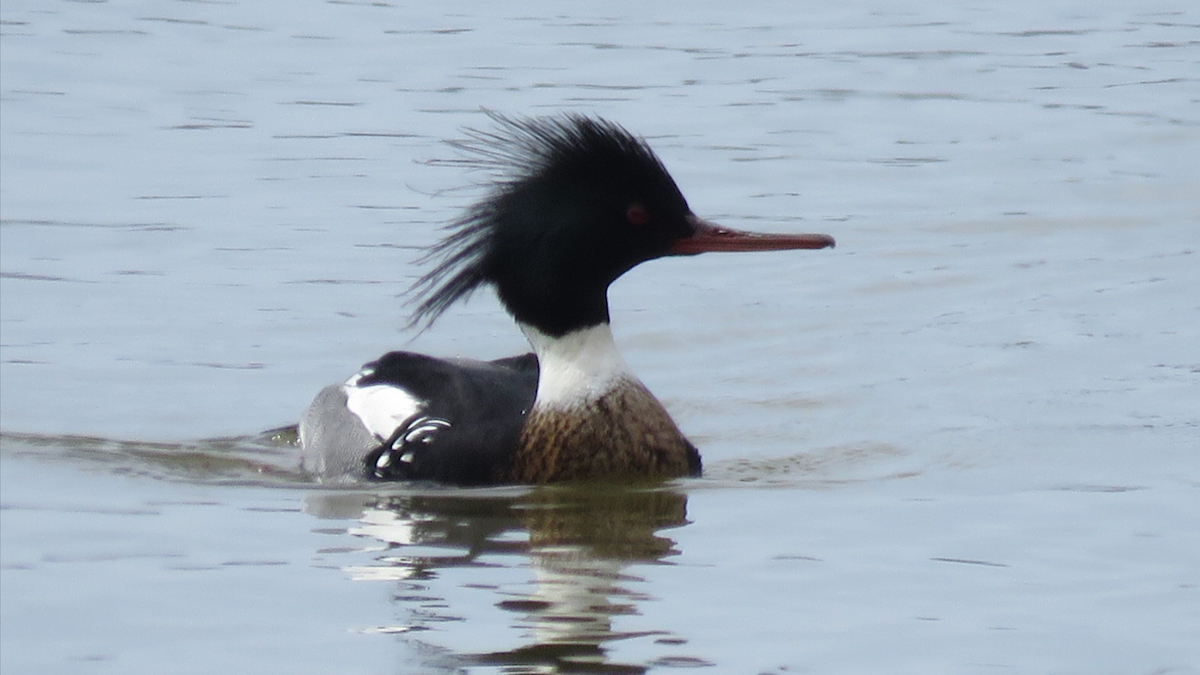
(578, 367)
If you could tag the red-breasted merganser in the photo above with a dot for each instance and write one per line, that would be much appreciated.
(577, 203)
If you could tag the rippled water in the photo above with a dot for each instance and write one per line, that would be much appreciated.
(964, 441)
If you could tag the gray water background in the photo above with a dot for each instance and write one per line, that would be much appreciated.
(963, 441)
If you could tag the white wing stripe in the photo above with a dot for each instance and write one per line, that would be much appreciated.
(381, 407)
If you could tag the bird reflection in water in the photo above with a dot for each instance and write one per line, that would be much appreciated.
(579, 542)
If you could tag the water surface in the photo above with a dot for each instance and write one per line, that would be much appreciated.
(963, 441)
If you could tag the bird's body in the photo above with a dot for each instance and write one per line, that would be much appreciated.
(578, 203)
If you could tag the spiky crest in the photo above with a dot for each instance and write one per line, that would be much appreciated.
(519, 152)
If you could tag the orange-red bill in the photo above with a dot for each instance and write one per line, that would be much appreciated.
(709, 237)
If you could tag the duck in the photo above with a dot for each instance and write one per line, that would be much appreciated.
(574, 202)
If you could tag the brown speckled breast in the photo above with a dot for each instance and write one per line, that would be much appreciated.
(624, 433)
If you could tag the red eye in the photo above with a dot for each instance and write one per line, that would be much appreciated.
(637, 215)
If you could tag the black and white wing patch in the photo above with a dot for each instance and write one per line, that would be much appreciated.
(394, 458)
